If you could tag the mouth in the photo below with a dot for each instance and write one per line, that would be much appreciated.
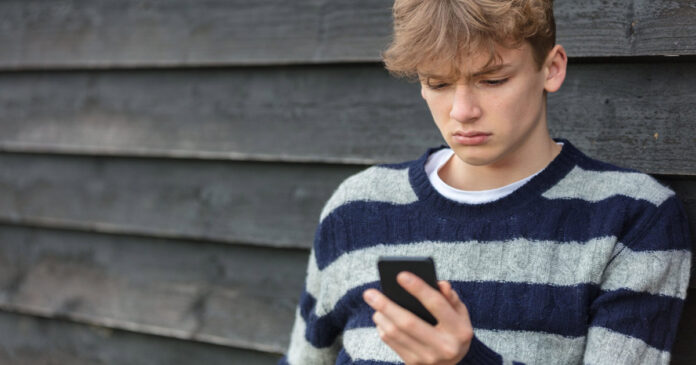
(471, 138)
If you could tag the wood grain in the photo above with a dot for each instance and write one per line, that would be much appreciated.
(638, 115)
(256, 203)
(235, 296)
(269, 204)
(35, 340)
(39, 34)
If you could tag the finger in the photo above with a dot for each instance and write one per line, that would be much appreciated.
(408, 348)
(447, 291)
(432, 299)
(402, 318)
(452, 296)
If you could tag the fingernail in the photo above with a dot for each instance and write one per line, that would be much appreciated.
(370, 297)
(406, 278)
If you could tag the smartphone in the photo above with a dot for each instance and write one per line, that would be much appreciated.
(424, 267)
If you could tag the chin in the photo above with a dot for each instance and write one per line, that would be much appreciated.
(476, 160)
(475, 156)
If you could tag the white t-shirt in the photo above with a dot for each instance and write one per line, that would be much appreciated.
(438, 159)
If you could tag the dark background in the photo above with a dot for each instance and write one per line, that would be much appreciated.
(163, 163)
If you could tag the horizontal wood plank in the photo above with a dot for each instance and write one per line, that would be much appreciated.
(240, 297)
(266, 204)
(635, 115)
(34, 340)
(236, 296)
(254, 203)
(132, 33)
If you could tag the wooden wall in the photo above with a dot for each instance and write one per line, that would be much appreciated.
(163, 163)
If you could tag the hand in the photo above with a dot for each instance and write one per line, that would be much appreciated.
(413, 339)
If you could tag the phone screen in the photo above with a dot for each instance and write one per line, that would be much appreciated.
(423, 267)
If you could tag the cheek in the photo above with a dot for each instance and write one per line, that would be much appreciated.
(439, 108)
(520, 104)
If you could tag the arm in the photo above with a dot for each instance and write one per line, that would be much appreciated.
(632, 320)
(635, 316)
(315, 339)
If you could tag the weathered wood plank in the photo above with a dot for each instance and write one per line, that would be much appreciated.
(254, 203)
(75, 34)
(34, 340)
(229, 295)
(636, 115)
(269, 204)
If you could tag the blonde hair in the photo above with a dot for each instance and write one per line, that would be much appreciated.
(427, 31)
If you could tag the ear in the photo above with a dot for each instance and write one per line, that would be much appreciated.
(555, 68)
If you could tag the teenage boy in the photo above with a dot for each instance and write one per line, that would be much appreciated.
(547, 256)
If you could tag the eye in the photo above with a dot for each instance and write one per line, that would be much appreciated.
(495, 82)
(437, 86)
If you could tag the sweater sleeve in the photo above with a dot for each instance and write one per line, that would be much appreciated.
(634, 318)
(316, 337)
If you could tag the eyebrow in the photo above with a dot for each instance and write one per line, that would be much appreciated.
(484, 71)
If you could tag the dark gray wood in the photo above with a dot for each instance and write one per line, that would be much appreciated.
(235, 296)
(254, 203)
(38, 341)
(82, 33)
(637, 115)
(684, 352)
(268, 204)
(230, 295)
(117, 33)
(598, 28)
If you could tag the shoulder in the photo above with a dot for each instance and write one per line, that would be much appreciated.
(389, 183)
(593, 180)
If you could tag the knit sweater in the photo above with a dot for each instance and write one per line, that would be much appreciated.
(585, 263)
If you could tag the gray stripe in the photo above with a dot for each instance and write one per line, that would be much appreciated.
(598, 185)
(529, 347)
(520, 260)
(608, 347)
(302, 352)
(365, 344)
(534, 347)
(669, 272)
(379, 184)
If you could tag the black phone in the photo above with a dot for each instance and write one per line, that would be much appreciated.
(423, 267)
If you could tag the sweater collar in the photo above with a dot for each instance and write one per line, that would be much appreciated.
(439, 205)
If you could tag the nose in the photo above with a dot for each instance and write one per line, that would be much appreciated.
(465, 106)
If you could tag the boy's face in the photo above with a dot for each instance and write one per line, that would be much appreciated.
(492, 116)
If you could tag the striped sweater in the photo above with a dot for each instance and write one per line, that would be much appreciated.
(585, 263)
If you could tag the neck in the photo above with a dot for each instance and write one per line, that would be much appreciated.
(520, 163)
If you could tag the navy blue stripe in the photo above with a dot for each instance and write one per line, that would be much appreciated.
(562, 310)
(364, 224)
(322, 331)
(651, 318)
(667, 229)
(344, 359)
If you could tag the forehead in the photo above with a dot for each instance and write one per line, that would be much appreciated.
(476, 63)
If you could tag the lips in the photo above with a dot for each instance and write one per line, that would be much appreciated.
(471, 133)
(471, 138)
